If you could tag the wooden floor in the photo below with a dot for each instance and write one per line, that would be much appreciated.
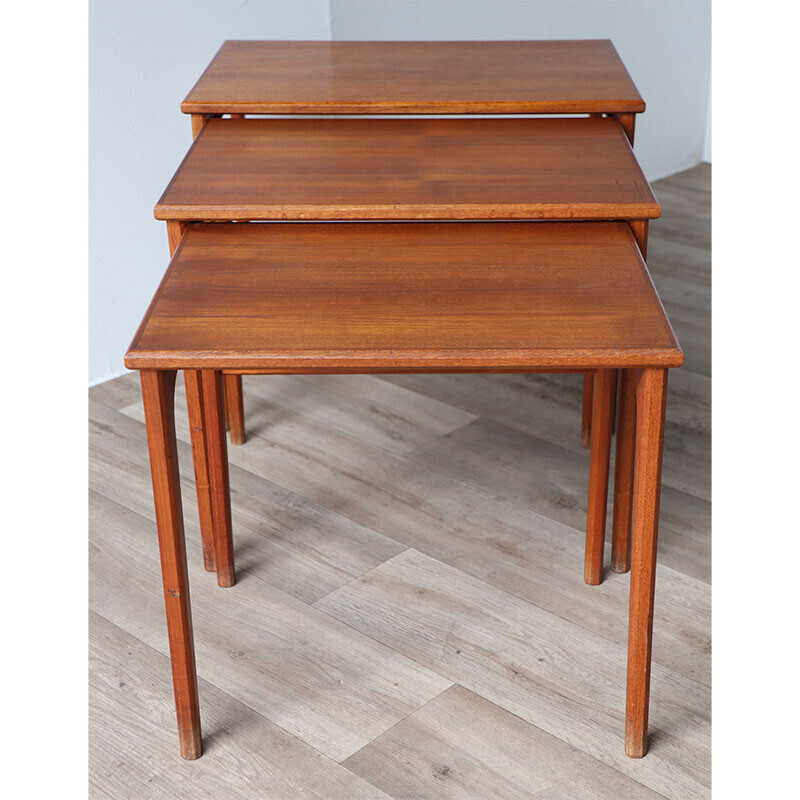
(410, 619)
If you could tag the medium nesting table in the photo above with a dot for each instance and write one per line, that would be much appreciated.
(427, 169)
(561, 77)
(397, 297)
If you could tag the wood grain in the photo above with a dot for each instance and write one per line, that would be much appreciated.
(587, 404)
(365, 407)
(217, 456)
(639, 228)
(158, 388)
(175, 232)
(283, 539)
(394, 169)
(559, 677)
(197, 425)
(198, 121)
(320, 680)
(599, 459)
(651, 398)
(130, 744)
(628, 122)
(546, 408)
(405, 297)
(462, 747)
(274, 77)
(623, 474)
(234, 408)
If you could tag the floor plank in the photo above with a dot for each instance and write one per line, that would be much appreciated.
(132, 737)
(462, 747)
(327, 684)
(282, 538)
(367, 408)
(555, 675)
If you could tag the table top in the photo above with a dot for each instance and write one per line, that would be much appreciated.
(394, 297)
(538, 77)
(259, 169)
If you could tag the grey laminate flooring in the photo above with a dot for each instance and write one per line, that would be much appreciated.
(410, 619)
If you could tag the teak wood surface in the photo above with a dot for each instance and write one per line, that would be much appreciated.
(410, 169)
(279, 77)
(405, 297)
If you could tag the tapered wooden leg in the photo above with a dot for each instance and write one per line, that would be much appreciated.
(194, 401)
(175, 231)
(198, 121)
(158, 392)
(234, 408)
(628, 122)
(651, 392)
(614, 390)
(640, 228)
(211, 381)
(599, 459)
(623, 473)
(586, 421)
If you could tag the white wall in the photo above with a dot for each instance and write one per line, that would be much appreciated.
(707, 136)
(146, 54)
(665, 44)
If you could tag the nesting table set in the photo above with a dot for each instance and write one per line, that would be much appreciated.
(380, 245)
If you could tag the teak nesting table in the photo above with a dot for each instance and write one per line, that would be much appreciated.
(583, 76)
(482, 268)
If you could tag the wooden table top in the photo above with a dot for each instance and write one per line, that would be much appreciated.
(540, 77)
(394, 297)
(259, 169)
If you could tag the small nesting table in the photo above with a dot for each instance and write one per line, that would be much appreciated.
(401, 297)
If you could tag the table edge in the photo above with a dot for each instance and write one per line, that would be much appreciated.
(324, 361)
(619, 106)
(462, 212)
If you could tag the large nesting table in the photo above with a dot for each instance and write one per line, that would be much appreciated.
(250, 290)
(563, 77)
(402, 297)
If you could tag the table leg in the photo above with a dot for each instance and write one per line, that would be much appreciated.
(623, 473)
(197, 426)
(588, 399)
(639, 228)
(586, 421)
(628, 122)
(599, 459)
(175, 231)
(614, 390)
(214, 418)
(234, 408)
(158, 393)
(651, 392)
(198, 121)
